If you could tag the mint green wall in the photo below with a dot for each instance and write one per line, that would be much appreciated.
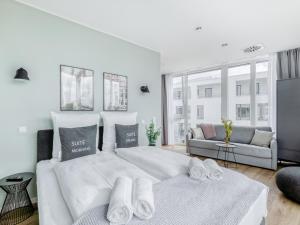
(40, 42)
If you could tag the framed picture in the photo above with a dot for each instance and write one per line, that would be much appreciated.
(76, 89)
(115, 92)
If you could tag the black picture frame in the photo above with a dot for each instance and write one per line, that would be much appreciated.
(82, 108)
(107, 106)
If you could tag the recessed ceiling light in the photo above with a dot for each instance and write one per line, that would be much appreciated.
(224, 44)
(253, 48)
(198, 28)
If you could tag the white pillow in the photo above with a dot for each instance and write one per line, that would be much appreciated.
(71, 120)
(197, 133)
(262, 138)
(109, 121)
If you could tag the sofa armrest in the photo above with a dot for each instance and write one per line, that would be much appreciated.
(273, 147)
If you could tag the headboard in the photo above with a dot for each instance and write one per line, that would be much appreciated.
(45, 143)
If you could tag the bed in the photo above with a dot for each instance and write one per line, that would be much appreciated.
(53, 209)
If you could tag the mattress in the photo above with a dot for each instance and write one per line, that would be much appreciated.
(54, 211)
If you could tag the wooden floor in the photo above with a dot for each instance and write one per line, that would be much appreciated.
(281, 211)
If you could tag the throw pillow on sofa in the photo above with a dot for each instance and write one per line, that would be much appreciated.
(262, 138)
(197, 133)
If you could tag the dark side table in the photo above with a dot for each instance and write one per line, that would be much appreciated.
(17, 205)
(227, 149)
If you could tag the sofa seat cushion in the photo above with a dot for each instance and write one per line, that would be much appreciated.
(252, 150)
(205, 144)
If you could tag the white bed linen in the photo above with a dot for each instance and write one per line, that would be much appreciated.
(86, 182)
(54, 211)
(52, 207)
(161, 164)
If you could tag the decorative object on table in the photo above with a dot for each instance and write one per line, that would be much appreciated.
(17, 206)
(288, 181)
(152, 132)
(144, 89)
(228, 129)
(21, 74)
(76, 89)
(227, 149)
(115, 92)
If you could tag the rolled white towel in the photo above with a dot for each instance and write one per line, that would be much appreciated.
(143, 199)
(120, 207)
(197, 170)
(214, 171)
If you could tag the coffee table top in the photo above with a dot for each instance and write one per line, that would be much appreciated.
(224, 145)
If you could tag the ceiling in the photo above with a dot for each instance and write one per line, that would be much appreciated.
(168, 26)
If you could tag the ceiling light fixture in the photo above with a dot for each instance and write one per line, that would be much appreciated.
(198, 28)
(224, 45)
(253, 48)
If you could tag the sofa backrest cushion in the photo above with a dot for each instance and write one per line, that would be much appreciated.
(240, 134)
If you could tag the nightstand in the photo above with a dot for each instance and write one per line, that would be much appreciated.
(17, 205)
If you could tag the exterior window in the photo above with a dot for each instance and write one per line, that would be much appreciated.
(257, 88)
(208, 92)
(179, 110)
(200, 112)
(177, 94)
(238, 90)
(242, 112)
(262, 111)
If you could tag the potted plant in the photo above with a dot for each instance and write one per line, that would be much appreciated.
(152, 133)
(228, 129)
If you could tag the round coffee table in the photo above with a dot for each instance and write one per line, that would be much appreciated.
(227, 149)
(17, 205)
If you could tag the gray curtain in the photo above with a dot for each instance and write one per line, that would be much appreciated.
(288, 64)
(164, 107)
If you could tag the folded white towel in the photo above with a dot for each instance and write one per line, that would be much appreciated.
(143, 199)
(214, 171)
(120, 207)
(197, 170)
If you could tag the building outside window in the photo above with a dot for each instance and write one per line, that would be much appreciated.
(177, 93)
(200, 112)
(262, 111)
(242, 112)
(238, 90)
(208, 92)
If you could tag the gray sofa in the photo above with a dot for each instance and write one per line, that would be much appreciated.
(245, 153)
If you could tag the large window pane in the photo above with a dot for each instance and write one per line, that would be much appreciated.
(262, 89)
(239, 95)
(178, 110)
(205, 101)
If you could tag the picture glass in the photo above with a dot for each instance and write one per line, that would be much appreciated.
(77, 89)
(115, 92)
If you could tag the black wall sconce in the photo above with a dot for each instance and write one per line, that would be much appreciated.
(21, 74)
(145, 89)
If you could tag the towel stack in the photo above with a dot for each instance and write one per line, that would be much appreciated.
(201, 170)
(130, 197)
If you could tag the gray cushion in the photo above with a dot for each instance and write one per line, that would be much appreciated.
(127, 135)
(205, 144)
(288, 181)
(252, 150)
(77, 142)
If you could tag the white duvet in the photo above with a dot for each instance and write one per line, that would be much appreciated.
(86, 182)
(161, 164)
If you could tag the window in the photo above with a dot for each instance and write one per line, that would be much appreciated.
(177, 94)
(262, 111)
(200, 112)
(208, 92)
(242, 112)
(238, 90)
(239, 95)
(245, 97)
